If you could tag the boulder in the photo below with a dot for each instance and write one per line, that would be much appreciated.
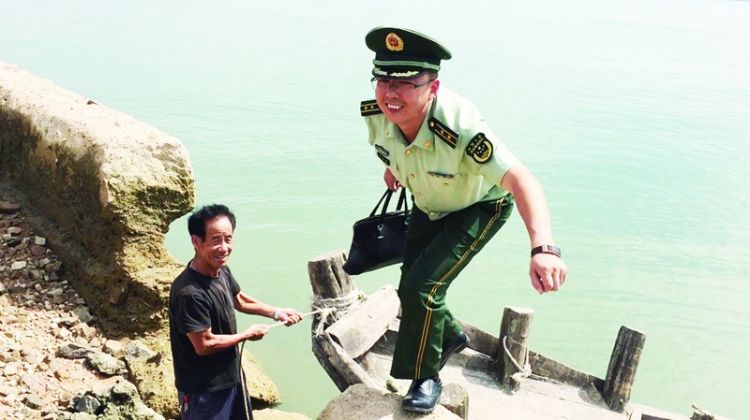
(102, 187)
(106, 364)
(370, 403)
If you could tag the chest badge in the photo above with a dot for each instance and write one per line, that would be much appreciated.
(480, 148)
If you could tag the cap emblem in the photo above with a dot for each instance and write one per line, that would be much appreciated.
(394, 42)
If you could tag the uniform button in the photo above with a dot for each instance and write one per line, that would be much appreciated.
(408, 151)
(432, 213)
(427, 144)
(412, 176)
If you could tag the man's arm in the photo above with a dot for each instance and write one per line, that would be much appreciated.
(249, 305)
(547, 272)
(206, 342)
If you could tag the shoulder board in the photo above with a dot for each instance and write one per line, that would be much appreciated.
(441, 130)
(367, 108)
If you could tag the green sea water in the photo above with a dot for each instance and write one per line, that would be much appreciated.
(634, 115)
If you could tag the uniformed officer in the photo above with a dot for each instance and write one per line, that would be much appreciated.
(464, 183)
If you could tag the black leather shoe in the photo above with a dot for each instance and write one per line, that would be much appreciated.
(423, 395)
(452, 346)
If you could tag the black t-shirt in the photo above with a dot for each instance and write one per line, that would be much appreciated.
(197, 302)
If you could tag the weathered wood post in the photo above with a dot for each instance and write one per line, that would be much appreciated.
(622, 366)
(514, 332)
(327, 276)
(333, 288)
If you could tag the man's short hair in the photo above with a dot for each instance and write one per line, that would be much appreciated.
(199, 218)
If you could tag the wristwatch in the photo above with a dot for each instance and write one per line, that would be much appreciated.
(546, 249)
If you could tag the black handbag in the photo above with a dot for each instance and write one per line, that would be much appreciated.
(379, 239)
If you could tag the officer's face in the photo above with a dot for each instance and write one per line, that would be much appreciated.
(214, 249)
(406, 103)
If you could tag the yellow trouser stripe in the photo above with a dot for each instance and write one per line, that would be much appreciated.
(428, 316)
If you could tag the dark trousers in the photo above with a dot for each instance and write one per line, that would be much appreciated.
(226, 404)
(436, 251)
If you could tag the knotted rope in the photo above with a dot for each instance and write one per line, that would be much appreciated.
(332, 309)
(523, 371)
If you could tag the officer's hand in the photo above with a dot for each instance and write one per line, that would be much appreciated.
(255, 332)
(390, 181)
(290, 316)
(547, 272)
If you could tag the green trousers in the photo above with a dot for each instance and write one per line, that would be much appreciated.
(436, 251)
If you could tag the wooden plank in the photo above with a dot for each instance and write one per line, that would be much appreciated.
(622, 366)
(363, 326)
(342, 369)
(480, 340)
(552, 369)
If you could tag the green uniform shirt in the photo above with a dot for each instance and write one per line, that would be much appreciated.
(455, 160)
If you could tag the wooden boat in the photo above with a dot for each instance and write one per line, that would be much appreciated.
(354, 336)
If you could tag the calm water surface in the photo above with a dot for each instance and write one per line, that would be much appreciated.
(634, 115)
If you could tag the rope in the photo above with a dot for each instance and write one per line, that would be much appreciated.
(524, 371)
(333, 309)
(280, 323)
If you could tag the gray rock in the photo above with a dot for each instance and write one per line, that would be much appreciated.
(18, 265)
(37, 250)
(53, 266)
(83, 314)
(370, 403)
(74, 351)
(106, 364)
(14, 230)
(136, 350)
(124, 392)
(112, 347)
(40, 241)
(86, 404)
(36, 275)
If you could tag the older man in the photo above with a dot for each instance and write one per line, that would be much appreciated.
(202, 324)
(464, 183)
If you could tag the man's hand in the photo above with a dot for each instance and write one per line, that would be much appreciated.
(390, 181)
(547, 272)
(289, 316)
(255, 332)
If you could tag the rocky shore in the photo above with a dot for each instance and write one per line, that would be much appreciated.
(54, 360)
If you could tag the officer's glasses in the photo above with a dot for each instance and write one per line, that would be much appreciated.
(396, 85)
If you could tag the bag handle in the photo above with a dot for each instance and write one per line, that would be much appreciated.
(387, 197)
(402, 201)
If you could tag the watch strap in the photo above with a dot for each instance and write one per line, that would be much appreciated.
(546, 249)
